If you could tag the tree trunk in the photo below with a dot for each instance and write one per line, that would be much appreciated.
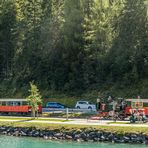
(37, 114)
(33, 113)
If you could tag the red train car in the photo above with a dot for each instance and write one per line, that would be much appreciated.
(16, 106)
(134, 105)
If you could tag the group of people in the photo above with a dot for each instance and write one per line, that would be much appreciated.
(111, 104)
(115, 108)
(137, 115)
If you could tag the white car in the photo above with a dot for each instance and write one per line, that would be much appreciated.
(85, 105)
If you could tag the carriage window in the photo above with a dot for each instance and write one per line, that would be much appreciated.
(24, 103)
(3, 103)
(9, 103)
(128, 103)
(16, 103)
(145, 104)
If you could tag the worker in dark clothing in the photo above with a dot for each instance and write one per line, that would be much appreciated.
(98, 104)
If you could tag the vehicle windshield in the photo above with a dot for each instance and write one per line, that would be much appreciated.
(90, 103)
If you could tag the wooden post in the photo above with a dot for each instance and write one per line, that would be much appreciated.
(66, 113)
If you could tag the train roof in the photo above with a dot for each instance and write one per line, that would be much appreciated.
(12, 100)
(137, 100)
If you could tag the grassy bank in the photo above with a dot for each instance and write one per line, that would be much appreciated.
(50, 126)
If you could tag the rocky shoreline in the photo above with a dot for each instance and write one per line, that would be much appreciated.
(88, 135)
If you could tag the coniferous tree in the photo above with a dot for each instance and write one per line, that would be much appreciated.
(28, 58)
(127, 49)
(73, 42)
(51, 35)
(7, 38)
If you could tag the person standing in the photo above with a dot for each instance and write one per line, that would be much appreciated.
(98, 104)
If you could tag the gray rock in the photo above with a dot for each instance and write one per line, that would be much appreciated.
(16, 133)
(58, 135)
(45, 137)
(68, 137)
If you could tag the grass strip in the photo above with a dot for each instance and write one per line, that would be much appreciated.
(51, 126)
(36, 119)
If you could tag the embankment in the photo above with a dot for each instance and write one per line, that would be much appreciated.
(73, 134)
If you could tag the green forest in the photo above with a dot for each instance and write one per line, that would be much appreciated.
(74, 47)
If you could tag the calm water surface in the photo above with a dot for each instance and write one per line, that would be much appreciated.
(15, 142)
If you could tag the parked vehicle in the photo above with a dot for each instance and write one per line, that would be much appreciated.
(55, 105)
(85, 105)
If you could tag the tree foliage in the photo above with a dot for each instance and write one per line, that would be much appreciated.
(34, 99)
(73, 45)
(7, 38)
(128, 50)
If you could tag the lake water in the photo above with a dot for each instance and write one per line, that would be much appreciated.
(16, 142)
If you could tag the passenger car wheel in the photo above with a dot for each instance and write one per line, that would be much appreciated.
(89, 107)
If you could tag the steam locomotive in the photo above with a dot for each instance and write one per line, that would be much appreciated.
(123, 108)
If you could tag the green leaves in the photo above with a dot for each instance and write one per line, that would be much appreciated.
(128, 44)
(69, 45)
(35, 98)
(7, 38)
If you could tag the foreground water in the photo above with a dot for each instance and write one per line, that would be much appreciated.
(16, 142)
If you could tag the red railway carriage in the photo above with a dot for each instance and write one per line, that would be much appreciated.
(16, 106)
(133, 105)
